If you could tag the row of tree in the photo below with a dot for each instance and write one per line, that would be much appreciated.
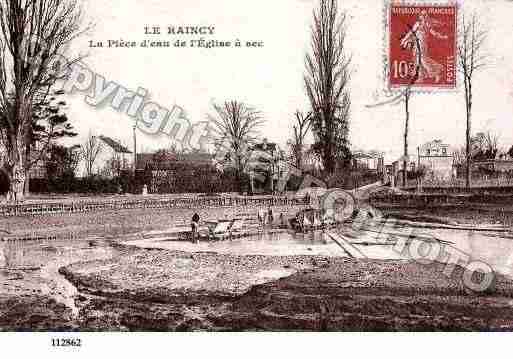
(472, 58)
(484, 146)
(33, 34)
(326, 80)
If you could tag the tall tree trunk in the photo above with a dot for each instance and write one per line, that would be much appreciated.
(28, 159)
(26, 186)
(17, 150)
(468, 150)
(240, 172)
(468, 107)
(16, 171)
(299, 157)
(406, 124)
(252, 182)
(328, 160)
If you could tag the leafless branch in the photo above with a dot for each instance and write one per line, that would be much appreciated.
(471, 58)
(235, 126)
(300, 130)
(326, 80)
(90, 151)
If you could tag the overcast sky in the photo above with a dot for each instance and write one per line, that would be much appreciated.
(270, 78)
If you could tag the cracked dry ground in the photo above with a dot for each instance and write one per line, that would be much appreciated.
(165, 291)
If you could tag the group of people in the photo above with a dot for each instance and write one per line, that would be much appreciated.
(264, 218)
(312, 219)
(267, 217)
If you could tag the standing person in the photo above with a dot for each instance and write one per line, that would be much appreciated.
(270, 216)
(195, 227)
(262, 216)
(300, 217)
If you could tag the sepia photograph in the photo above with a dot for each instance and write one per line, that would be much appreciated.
(334, 166)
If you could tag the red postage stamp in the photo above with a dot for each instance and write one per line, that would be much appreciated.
(422, 46)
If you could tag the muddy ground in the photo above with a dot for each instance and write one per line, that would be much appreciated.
(159, 290)
(155, 290)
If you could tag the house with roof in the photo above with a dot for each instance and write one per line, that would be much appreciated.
(437, 157)
(371, 160)
(161, 159)
(112, 159)
(170, 172)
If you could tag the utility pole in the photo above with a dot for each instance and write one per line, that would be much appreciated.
(406, 124)
(135, 147)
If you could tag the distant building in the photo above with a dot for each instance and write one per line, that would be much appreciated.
(145, 160)
(395, 171)
(437, 158)
(168, 172)
(373, 161)
(112, 159)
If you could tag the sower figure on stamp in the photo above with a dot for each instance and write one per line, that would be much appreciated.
(417, 40)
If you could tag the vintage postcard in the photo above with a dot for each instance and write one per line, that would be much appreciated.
(243, 166)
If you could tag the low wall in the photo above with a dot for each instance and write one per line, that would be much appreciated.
(413, 200)
(35, 209)
(493, 190)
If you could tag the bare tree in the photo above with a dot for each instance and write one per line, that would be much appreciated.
(472, 58)
(113, 166)
(459, 157)
(484, 146)
(326, 80)
(492, 144)
(300, 130)
(90, 151)
(33, 33)
(235, 127)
